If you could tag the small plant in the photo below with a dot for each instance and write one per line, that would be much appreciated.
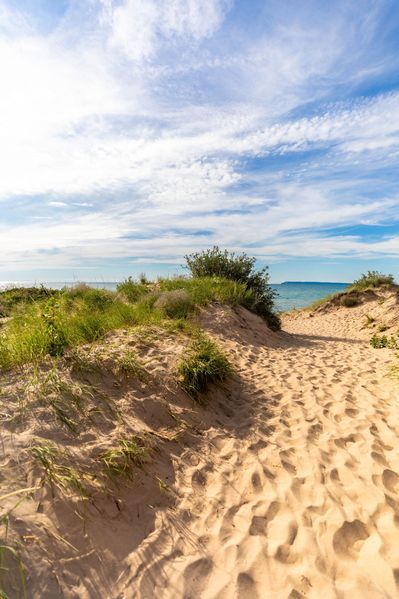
(382, 341)
(176, 304)
(349, 301)
(203, 363)
(132, 289)
(129, 366)
(372, 278)
(58, 475)
(369, 319)
(382, 327)
(120, 460)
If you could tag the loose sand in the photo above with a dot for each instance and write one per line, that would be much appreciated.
(286, 486)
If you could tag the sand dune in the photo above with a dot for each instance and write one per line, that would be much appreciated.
(285, 485)
(300, 498)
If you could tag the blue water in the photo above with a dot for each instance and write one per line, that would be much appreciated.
(290, 295)
(300, 295)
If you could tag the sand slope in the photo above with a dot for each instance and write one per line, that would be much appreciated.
(300, 498)
(285, 485)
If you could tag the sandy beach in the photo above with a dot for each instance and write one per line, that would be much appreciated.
(285, 485)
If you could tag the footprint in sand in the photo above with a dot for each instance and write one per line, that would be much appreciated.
(196, 577)
(391, 481)
(347, 540)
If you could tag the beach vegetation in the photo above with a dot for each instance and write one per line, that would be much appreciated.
(381, 341)
(177, 303)
(372, 279)
(349, 300)
(15, 296)
(203, 363)
(119, 461)
(240, 268)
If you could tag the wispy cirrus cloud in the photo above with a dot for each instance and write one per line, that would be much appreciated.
(139, 130)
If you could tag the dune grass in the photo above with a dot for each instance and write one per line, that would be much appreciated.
(119, 461)
(202, 364)
(55, 322)
(372, 279)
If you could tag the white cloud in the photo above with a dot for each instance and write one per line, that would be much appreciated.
(134, 114)
(138, 25)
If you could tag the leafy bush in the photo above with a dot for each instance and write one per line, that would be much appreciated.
(240, 268)
(203, 363)
(381, 341)
(175, 304)
(133, 290)
(372, 278)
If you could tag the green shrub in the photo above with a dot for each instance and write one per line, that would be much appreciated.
(217, 263)
(382, 327)
(133, 290)
(203, 363)
(382, 341)
(372, 278)
(175, 304)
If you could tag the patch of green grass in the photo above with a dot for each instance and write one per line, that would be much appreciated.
(120, 460)
(59, 475)
(129, 366)
(202, 364)
(349, 300)
(208, 289)
(177, 304)
(74, 317)
(372, 279)
(381, 341)
(134, 290)
(12, 298)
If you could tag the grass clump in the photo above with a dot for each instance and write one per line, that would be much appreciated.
(177, 303)
(129, 366)
(381, 341)
(49, 327)
(203, 363)
(133, 290)
(349, 301)
(372, 279)
(57, 474)
(10, 299)
(120, 460)
(240, 268)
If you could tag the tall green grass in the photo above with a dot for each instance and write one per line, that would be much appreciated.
(202, 364)
(72, 318)
(53, 323)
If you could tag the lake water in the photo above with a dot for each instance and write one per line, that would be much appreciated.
(290, 295)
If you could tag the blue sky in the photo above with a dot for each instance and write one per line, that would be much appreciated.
(135, 131)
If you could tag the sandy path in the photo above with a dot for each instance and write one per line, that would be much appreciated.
(300, 497)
